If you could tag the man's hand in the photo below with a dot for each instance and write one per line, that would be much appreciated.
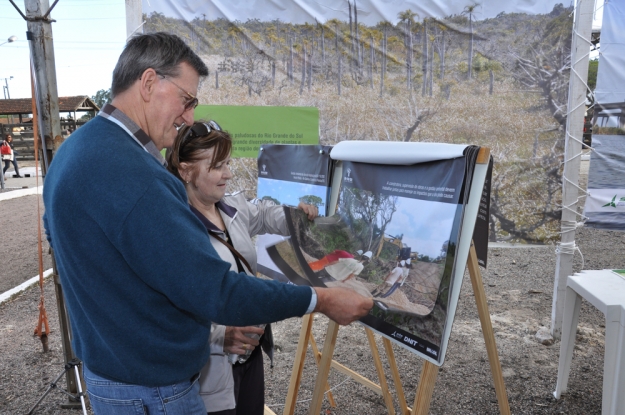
(342, 305)
(237, 340)
(310, 210)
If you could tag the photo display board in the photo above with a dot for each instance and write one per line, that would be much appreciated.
(288, 175)
(392, 233)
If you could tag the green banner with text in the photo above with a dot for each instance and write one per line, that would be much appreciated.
(252, 126)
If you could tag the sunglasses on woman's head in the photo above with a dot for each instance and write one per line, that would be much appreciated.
(200, 129)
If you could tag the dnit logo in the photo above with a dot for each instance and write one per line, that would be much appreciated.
(397, 335)
(347, 178)
(264, 170)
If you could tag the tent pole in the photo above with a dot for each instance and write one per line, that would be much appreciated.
(580, 50)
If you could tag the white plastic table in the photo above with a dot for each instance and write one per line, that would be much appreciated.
(605, 290)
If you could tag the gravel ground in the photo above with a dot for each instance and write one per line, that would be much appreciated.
(518, 283)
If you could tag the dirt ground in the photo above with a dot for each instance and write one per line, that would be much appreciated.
(518, 283)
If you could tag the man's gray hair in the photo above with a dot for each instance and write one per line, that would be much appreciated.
(160, 51)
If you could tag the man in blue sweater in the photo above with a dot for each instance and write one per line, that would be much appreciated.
(141, 279)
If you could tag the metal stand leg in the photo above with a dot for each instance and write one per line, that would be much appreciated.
(79, 396)
(80, 392)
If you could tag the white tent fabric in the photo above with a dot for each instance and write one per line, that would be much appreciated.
(300, 11)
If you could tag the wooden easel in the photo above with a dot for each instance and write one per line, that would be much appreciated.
(300, 356)
(429, 373)
(425, 388)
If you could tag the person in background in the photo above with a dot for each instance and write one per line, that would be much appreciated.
(200, 159)
(8, 138)
(406, 272)
(141, 279)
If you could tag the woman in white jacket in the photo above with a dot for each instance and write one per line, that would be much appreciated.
(200, 158)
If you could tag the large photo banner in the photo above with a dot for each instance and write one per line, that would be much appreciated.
(605, 201)
(492, 73)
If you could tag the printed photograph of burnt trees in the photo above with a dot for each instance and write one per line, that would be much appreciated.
(499, 82)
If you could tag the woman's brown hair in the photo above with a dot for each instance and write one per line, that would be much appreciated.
(189, 144)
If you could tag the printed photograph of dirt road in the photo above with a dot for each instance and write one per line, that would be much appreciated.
(405, 285)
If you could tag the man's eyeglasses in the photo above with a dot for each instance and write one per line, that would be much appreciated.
(191, 102)
(200, 129)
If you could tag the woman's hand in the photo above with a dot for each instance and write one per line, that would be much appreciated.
(237, 341)
(310, 210)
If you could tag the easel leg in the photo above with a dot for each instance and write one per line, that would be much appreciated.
(390, 355)
(487, 330)
(298, 364)
(324, 367)
(386, 394)
(313, 345)
(425, 389)
(80, 393)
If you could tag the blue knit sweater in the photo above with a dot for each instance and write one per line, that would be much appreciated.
(141, 279)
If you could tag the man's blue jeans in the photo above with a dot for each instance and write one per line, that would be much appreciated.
(115, 398)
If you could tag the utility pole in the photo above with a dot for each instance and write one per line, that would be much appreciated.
(134, 17)
(5, 88)
(39, 35)
(45, 94)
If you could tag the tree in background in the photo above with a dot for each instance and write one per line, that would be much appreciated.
(470, 11)
(368, 214)
(102, 97)
(593, 67)
(407, 18)
(385, 25)
(311, 200)
(276, 201)
(545, 64)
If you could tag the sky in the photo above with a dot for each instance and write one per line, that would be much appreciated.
(288, 193)
(426, 232)
(89, 35)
